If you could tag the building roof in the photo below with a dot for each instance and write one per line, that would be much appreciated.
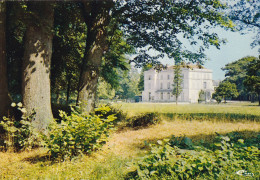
(184, 65)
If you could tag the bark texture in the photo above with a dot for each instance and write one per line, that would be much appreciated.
(36, 63)
(5, 100)
(96, 14)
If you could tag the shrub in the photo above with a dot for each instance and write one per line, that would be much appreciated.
(118, 113)
(143, 120)
(20, 134)
(78, 133)
(225, 159)
(181, 142)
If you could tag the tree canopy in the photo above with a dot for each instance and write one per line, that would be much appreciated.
(225, 90)
(235, 72)
(252, 80)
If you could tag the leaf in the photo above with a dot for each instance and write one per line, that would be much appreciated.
(159, 142)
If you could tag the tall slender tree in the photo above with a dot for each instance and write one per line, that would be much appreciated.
(177, 86)
(4, 98)
(37, 61)
(97, 18)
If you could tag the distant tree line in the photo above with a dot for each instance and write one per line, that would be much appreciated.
(242, 80)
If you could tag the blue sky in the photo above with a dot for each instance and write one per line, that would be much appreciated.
(237, 47)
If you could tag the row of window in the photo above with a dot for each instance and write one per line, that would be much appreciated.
(195, 85)
(161, 85)
(161, 77)
(193, 75)
(168, 96)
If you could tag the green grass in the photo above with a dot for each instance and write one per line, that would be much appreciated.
(226, 112)
(236, 108)
(114, 160)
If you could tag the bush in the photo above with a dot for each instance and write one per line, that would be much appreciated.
(118, 113)
(222, 162)
(143, 120)
(20, 134)
(78, 133)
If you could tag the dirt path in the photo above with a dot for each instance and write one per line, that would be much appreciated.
(131, 142)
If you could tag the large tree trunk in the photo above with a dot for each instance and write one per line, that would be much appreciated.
(4, 98)
(36, 63)
(96, 15)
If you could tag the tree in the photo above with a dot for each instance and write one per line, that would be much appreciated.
(235, 72)
(148, 25)
(96, 16)
(68, 49)
(105, 90)
(225, 90)
(128, 85)
(37, 62)
(177, 82)
(252, 80)
(245, 13)
(4, 97)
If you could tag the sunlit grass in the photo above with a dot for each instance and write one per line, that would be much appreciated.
(111, 162)
(232, 108)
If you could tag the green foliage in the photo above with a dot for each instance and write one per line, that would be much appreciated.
(232, 117)
(20, 134)
(173, 17)
(252, 80)
(235, 72)
(177, 86)
(68, 49)
(181, 142)
(225, 90)
(143, 120)
(78, 133)
(128, 85)
(223, 160)
(105, 90)
(118, 113)
(202, 95)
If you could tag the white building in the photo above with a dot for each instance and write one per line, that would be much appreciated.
(158, 86)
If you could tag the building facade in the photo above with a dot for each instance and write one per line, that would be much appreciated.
(158, 86)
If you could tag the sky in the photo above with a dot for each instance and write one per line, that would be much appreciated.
(237, 47)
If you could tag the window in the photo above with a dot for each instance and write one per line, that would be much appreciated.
(150, 96)
(161, 87)
(161, 96)
(168, 96)
(168, 77)
(149, 77)
(169, 85)
(205, 85)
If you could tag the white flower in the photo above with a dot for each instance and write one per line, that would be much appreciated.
(13, 104)
(19, 104)
(23, 110)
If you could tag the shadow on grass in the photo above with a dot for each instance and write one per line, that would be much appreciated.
(212, 116)
(39, 158)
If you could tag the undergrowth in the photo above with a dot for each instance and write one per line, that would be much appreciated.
(226, 158)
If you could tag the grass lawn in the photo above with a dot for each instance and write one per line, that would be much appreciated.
(114, 159)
